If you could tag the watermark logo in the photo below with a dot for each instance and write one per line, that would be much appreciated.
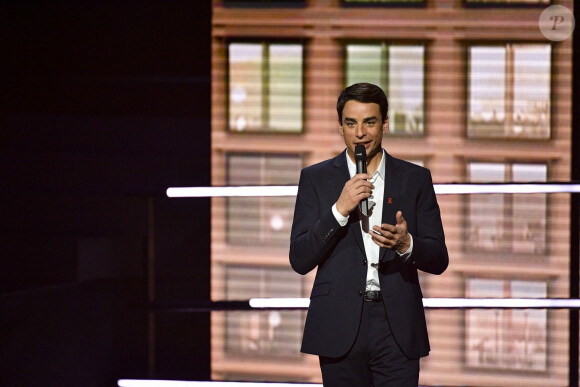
(557, 23)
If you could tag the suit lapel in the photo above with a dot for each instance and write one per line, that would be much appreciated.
(339, 178)
(393, 180)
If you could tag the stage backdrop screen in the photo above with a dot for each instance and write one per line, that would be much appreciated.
(480, 91)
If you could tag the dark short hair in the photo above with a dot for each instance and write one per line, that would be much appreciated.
(365, 93)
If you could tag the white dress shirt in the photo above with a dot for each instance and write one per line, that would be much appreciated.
(367, 222)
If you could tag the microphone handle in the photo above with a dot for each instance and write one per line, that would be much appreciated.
(364, 207)
(361, 167)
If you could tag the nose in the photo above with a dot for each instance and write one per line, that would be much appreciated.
(360, 131)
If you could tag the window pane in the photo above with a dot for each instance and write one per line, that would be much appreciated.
(263, 3)
(531, 115)
(265, 87)
(510, 223)
(508, 1)
(370, 2)
(486, 172)
(398, 70)
(261, 221)
(486, 212)
(285, 87)
(529, 173)
(243, 214)
(245, 84)
(506, 339)
(487, 90)
(364, 63)
(509, 91)
(529, 211)
(265, 334)
(245, 282)
(406, 89)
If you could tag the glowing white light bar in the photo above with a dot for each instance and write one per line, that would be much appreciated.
(279, 302)
(516, 303)
(179, 383)
(440, 189)
(454, 189)
(450, 303)
(204, 192)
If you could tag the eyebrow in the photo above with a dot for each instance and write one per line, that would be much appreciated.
(366, 119)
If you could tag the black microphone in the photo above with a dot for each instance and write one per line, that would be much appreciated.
(360, 156)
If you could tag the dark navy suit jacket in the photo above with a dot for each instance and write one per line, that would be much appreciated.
(318, 241)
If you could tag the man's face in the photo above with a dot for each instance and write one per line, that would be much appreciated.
(362, 124)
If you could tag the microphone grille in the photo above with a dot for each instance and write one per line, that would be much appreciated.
(360, 152)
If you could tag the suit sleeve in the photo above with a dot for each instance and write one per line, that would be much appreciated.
(315, 230)
(429, 249)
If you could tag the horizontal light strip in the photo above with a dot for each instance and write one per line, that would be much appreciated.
(440, 189)
(279, 303)
(179, 383)
(204, 192)
(526, 188)
(449, 303)
(515, 303)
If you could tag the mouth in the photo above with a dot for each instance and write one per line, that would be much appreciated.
(366, 144)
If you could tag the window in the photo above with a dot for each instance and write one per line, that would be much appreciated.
(510, 223)
(379, 2)
(265, 87)
(506, 339)
(261, 221)
(264, 3)
(265, 334)
(509, 91)
(398, 70)
(508, 2)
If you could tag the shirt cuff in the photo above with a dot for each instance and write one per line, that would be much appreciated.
(342, 220)
(405, 256)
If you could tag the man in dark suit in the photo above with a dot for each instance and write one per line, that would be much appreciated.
(366, 320)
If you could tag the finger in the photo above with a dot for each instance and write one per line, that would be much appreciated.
(400, 218)
(390, 237)
(365, 184)
(362, 181)
(382, 241)
(363, 190)
(388, 228)
(361, 176)
(383, 235)
(356, 184)
(379, 240)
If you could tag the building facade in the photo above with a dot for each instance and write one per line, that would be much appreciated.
(477, 94)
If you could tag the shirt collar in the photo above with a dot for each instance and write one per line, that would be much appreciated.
(352, 165)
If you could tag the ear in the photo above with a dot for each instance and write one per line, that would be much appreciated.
(386, 126)
(340, 129)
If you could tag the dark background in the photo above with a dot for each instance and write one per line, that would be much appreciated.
(103, 105)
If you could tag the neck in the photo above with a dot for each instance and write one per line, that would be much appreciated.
(373, 164)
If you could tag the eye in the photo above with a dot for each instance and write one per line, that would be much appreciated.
(371, 123)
